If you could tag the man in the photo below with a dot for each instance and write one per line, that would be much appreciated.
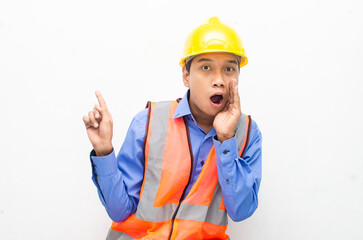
(184, 164)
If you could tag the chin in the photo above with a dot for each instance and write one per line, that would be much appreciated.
(214, 113)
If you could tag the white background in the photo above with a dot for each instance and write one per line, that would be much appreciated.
(303, 86)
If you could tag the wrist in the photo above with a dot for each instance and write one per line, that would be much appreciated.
(223, 137)
(104, 151)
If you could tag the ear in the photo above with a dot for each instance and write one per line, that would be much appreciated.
(186, 77)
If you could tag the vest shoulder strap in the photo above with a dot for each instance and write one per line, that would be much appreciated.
(242, 133)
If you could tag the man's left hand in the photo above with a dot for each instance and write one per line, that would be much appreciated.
(226, 121)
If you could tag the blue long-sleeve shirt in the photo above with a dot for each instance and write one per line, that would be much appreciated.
(119, 180)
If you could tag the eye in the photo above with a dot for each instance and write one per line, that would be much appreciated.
(230, 69)
(206, 68)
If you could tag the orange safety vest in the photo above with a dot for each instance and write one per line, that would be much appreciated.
(163, 211)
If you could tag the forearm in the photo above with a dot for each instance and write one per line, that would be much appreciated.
(119, 180)
(111, 187)
(240, 177)
(239, 188)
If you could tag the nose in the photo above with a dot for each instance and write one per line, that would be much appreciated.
(218, 81)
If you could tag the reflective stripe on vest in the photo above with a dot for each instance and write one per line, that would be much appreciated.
(168, 160)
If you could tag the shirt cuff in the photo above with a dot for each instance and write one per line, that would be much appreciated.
(105, 165)
(226, 151)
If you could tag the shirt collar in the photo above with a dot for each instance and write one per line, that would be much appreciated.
(183, 108)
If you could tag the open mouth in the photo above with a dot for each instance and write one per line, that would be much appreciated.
(216, 99)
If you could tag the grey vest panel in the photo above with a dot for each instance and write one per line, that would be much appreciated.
(116, 235)
(145, 209)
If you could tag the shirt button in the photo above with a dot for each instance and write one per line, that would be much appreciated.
(225, 151)
(227, 181)
(202, 163)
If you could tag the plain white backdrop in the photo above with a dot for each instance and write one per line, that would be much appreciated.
(302, 85)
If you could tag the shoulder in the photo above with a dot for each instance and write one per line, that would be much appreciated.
(255, 132)
(251, 125)
(254, 127)
(139, 121)
(141, 116)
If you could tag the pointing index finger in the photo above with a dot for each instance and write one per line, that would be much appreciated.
(100, 99)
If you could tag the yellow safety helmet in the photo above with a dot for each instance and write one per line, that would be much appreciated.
(213, 36)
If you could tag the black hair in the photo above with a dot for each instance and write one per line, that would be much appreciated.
(188, 64)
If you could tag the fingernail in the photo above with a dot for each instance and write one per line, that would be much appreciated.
(97, 115)
(95, 124)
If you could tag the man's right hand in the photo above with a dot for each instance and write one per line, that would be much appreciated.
(99, 127)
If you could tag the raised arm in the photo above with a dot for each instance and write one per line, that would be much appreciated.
(239, 177)
(118, 180)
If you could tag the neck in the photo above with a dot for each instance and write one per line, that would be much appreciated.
(206, 126)
(204, 121)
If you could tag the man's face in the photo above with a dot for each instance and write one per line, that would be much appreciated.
(208, 79)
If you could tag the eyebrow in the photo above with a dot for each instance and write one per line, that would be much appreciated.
(204, 59)
(209, 60)
(233, 61)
